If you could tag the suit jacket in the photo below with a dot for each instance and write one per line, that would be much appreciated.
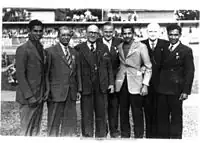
(30, 73)
(131, 67)
(104, 67)
(62, 79)
(114, 53)
(156, 59)
(177, 71)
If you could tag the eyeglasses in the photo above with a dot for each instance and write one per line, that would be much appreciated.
(93, 33)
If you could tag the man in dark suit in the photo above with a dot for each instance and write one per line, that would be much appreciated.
(30, 72)
(155, 48)
(65, 85)
(176, 77)
(97, 80)
(113, 100)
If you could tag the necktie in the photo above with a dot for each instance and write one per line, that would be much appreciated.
(171, 48)
(92, 48)
(152, 46)
(68, 57)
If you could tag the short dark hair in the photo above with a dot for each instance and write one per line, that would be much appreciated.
(174, 26)
(125, 26)
(33, 23)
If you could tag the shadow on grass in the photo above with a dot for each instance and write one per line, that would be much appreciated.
(10, 121)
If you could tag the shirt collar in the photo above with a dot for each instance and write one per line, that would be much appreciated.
(175, 45)
(89, 44)
(63, 47)
(155, 42)
(107, 42)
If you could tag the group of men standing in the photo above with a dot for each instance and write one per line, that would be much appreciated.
(108, 75)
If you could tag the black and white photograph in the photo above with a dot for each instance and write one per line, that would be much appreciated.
(100, 73)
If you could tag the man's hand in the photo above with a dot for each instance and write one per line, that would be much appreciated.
(111, 88)
(46, 95)
(32, 102)
(183, 96)
(144, 90)
(78, 96)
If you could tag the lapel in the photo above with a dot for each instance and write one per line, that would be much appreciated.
(87, 54)
(35, 51)
(99, 51)
(173, 53)
(132, 49)
(121, 52)
(61, 53)
(113, 48)
(148, 45)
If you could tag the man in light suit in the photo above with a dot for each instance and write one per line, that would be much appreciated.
(113, 99)
(97, 81)
(30, 73)
(131, 83)
(155, 47)
(176, 78)
(65, 85)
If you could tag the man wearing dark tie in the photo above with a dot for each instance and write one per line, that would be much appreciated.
(176, 78)
(65, 85)
(155, 47)
(113, 99)
(97, 81)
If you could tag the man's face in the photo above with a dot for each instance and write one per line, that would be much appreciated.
(153, 33)
(174, 36)
(65, 36)
(127, 35)
(108, 32)
(37, 32)
(92, 33)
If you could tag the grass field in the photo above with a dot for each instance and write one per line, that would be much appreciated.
(10, 124)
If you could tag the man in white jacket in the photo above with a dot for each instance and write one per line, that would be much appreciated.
(131, 83)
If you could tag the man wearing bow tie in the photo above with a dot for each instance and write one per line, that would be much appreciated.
(30, 73)
(155, 47)
(65, 85)
(175, 84)
(97, 82)
(113, 99)
(131, 82)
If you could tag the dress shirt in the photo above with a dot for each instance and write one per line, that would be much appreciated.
(153, 43)
(89, 45)
(108, 43)
(63, 48)
(174, 46)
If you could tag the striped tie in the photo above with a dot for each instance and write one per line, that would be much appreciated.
(92, 48)
(171, 48)
(68, 57)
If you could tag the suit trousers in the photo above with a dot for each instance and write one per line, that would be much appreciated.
(136, 103)
(150, 110)
(62, 116)
(113, 112)
(96, 102)
(30, 119)
(169, 119)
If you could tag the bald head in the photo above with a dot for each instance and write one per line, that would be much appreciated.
(153, 31)
(154, 26)
(92, 33)
(92, 28)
